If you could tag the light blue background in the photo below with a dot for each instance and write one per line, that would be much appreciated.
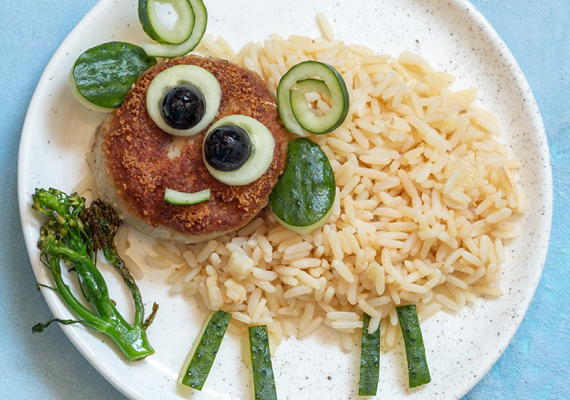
(535, 366)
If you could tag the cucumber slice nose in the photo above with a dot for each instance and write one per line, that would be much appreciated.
(302, 199)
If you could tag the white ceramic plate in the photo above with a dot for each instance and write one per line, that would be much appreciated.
(460, 348)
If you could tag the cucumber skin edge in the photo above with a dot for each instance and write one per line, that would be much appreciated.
(290, 200)
(145, 21)
(369, 376)
(418, 371)
(201, 364)
(168, 50)
(263, 377)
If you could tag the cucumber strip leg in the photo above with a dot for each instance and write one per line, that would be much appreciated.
(418, 371)
(263, 379)
(369, 360)
(206, 350)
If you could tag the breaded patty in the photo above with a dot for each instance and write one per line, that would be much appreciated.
(135, 161)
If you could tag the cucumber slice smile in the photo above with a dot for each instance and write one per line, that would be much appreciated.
(156, 30)
(200, 21)
(175, 197)
(303, 197)
(293, 109)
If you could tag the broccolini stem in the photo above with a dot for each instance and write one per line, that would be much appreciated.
(79, 309)
(74, 234)
(113, 257)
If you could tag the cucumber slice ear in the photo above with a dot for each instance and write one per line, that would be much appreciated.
(102, 76)
(304, 195)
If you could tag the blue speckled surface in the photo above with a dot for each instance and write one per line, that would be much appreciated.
(535, 366)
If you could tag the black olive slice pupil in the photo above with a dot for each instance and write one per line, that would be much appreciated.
(183, 107)
(227, 147)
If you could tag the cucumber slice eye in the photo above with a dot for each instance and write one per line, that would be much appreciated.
(172, 94)
(156, 30)
(102, 76)
(293, 108)
(240, 172)
(303, 197)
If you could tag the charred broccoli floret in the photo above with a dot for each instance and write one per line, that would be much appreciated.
(75, 234)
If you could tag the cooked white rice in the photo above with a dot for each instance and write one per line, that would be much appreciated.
(425, 198)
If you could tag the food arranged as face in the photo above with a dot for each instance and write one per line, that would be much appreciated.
(384, 211)
(190, 125)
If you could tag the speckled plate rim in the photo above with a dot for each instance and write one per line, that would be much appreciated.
(58, 308)
(537, 118)
(54, 302)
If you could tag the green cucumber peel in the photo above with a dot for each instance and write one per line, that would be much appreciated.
(418, 371)
(154, 28)
(178, 50)
(206, 347)
(263, 377)
(103, 75)
(305, 193)
(369, 360)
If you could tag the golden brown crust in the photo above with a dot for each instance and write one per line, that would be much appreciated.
(136, 154)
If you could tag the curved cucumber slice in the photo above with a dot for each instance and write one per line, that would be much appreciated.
(294, 111)
(261, 156)
(178, 50)
(307, 86)
(302, 199)
(178, 75)
(102, 76)
(155, 29)
(184, 199)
